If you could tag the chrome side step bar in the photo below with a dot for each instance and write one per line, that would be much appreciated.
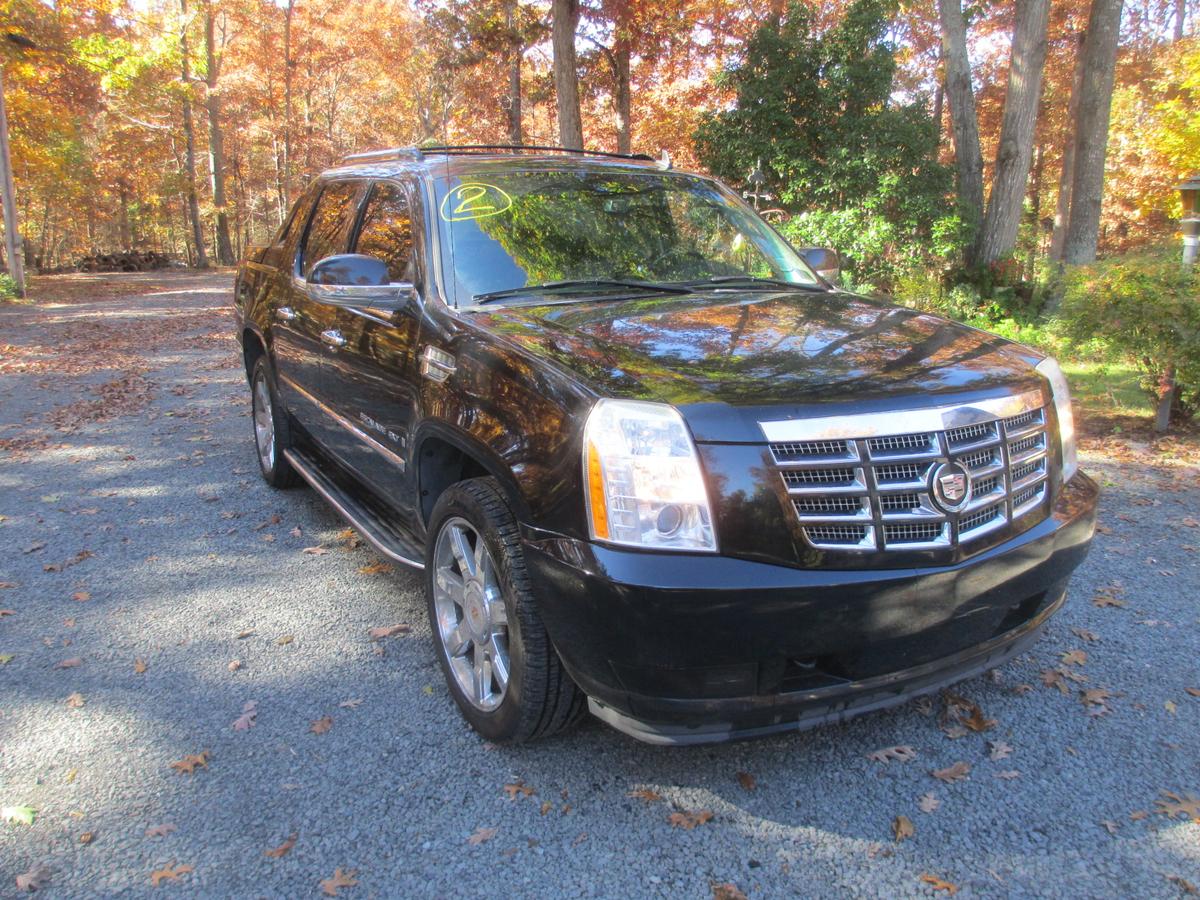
(390, 540)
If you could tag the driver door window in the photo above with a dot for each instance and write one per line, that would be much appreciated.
(329, 230)
(386, 231)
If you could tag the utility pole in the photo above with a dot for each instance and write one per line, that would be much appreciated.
(12, 237)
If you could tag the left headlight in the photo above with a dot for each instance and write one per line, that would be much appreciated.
(1051, 371)
(644, 486)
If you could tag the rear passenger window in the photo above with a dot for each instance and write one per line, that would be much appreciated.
(386, 231)
(329, 231)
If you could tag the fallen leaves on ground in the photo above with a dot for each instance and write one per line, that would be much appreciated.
(169, 872)
(284, 640)
(1107, 596)
(81, 596)
(998, 750)
(340, 879)
(903, 828)
(72, 663)
(321, 725)
(377, 568)
(901, 753)
(283, 849)
(139, 666)
(6, 658)
(1171, 804)
(352, 703)
(687, 820)
(929, 803)
(34, 879)
(18, 815)
(518, 788)
(160, 830)
(234, 665)
(314, 551)
(482, 835)
(245, 721)
(1008, 774)
(1074, 658)
(1095, 700)
(646, 794)
(87, 837)
(939, 884)
(957, 772)
(727, 891)
(189, 763)
(1109, 825)
(387, 631)
(1084, 635)
(747, 781)
(75, 700)
(1183, 884)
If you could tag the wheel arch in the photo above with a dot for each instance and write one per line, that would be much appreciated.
(443, 456)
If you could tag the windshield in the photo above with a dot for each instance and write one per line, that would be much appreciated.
(508, 230)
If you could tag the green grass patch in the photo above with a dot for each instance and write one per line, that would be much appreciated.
(1108, 388)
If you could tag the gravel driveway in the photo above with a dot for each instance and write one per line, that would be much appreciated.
(153, 587)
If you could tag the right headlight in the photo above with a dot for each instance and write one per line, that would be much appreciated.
(1049, 368)
(643, 480)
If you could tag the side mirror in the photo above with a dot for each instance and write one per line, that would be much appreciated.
(824, 261)
(354, 279)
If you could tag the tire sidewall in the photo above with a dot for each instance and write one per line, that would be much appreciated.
(504, 721)
(262, 370)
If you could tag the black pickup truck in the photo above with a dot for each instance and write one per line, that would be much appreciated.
(652, 463)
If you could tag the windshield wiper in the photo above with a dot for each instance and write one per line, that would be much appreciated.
(583, 284)
(752, 279)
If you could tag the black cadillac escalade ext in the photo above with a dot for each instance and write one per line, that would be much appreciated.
(651, 462)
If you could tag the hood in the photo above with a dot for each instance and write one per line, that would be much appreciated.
(728, 359)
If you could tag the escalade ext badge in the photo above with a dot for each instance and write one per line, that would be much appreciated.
(886, 488)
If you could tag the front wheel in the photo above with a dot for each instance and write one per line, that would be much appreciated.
(271, 434)
(503, 672)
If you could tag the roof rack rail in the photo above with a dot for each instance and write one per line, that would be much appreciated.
(416, 153)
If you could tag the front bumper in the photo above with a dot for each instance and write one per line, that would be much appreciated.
(678, 648)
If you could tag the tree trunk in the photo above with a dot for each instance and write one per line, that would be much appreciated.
(1180, 15)
(1091, 131)
(1015, 151)
(1035, 209)
(1062, 207)
(939, 102)
(1166, 399)
(514, 73)
(622, 95)
(566, 74)
(963, 120)
(287, 100)
(216, 139)
(189, 133)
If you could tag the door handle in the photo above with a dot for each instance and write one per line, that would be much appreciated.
(285, 314)
(333, 338)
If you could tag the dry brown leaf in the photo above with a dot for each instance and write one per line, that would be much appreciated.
(689, 820)
(929, 803)
(546, 806)
(939, 884)
(1103, 600)
(71, 663)
(170, 872)
(903, 828)
(139, 666)
(747, 781)
(727, 891)
(283, 849)
(1074, 658)
(901, 753)
(375, 568)
(284, 640)
(353, 703)
(646, 794)
(87, 837)
(160, 830)
(75, 701)
(1171, 805)
(956, 731)
(321, 725)
(386, 631)
(1138, 814)
(1084, 635)
(482, 835)
(242, 635)
(957, 772)
(976, 720)
(998, 750)
(1170, 707)
(314, 551)
(518, 789)
(1008, 774)
(1055, 678)
(1109, 825)
(7, 612)
(1183, 884)
(34, 879)
(245, 721)
(1194, 692)
(234, 665)
(189, 763)
(340, 879)
(81, 596)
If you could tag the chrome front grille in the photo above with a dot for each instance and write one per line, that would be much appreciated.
(867, 482)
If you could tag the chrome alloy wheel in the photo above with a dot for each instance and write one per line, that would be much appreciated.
(471, 616)
(264, 423)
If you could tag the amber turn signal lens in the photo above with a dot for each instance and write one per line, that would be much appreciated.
(596, 501)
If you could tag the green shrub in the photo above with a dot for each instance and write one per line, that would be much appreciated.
(8, 287)
(1143, 310)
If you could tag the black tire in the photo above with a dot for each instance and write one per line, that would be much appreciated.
(276, 470)
(541, 699)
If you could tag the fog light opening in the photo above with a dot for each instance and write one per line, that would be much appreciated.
(670, 520)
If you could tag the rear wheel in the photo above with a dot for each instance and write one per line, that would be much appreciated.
(271, 436)
(503, 672)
